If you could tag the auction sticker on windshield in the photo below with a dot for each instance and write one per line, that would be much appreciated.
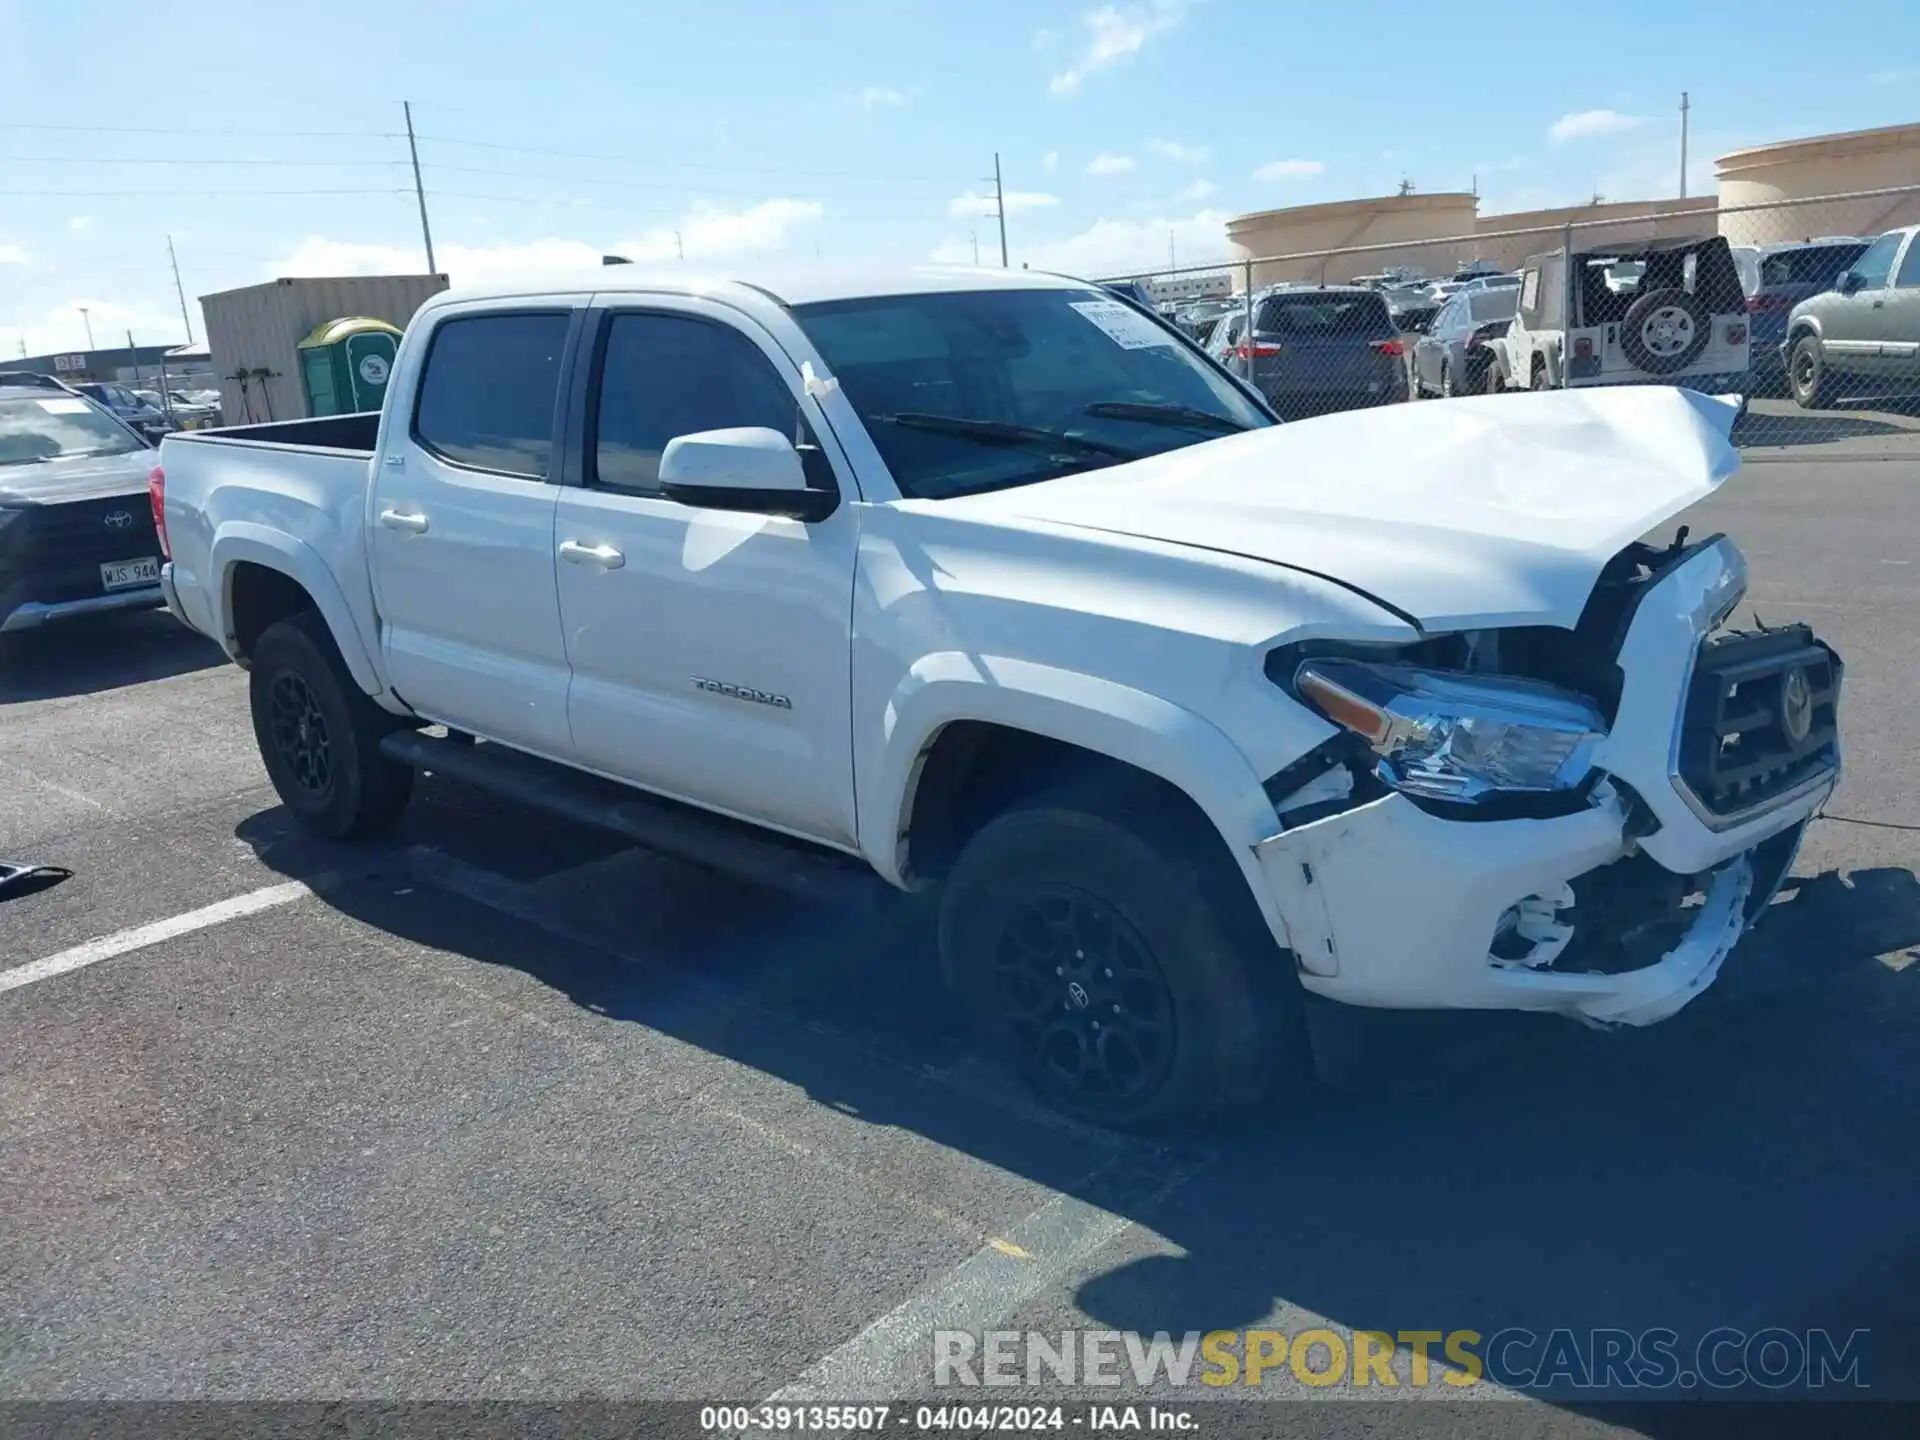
(64, 407)
(1127, 328)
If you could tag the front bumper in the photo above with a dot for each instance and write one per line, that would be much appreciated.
(1389, 905)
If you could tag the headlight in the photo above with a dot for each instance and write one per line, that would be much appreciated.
(1451, 736)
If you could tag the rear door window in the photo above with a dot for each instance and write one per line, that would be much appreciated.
(1909, 276)
(1324, 314)
(489, 391)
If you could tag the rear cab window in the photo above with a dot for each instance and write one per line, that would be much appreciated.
(1325, 313)
(489, 391)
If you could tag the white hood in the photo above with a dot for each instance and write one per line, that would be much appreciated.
(1495, 510)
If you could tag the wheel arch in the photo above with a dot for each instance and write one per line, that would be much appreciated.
(959, 748)
(260, 567)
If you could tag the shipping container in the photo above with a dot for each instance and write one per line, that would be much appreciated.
(254, 334)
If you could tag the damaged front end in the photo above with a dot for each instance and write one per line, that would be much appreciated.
(1583, 822)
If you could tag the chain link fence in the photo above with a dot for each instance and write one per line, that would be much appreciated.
(1807, 309)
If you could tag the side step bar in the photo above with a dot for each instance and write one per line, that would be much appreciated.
(759, 857)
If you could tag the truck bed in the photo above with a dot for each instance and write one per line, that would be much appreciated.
(352, 434)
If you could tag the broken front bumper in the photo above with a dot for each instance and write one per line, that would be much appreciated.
(1389, 905)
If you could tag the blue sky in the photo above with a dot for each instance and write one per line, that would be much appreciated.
(843, 129)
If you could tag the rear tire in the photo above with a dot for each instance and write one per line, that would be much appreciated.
(1112, 958)
(1808, 376)
(319, 734)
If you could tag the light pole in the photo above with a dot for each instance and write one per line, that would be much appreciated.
(89, 324)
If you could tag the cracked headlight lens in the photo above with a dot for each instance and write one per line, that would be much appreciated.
(1452, 736)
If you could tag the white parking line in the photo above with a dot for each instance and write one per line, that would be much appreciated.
(139, 938)
(980, 1291)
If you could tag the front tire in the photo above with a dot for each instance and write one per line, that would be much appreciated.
(319, 734)
(1115, 966)
(1446, 380)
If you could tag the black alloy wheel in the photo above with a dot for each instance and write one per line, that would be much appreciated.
(1083, 997)
(300, 734)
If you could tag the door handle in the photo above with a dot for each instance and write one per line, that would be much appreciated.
(409, 521)
(605, 556)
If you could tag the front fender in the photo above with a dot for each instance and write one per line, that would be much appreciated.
(240, 541)
(1124, 724)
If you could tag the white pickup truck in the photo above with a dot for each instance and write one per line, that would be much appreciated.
(989, 581)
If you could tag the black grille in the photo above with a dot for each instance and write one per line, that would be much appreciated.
(1737, 749)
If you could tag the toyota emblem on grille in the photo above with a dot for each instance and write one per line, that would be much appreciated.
(118, 519)
(1796, 706)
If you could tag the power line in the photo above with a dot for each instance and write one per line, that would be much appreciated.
(169, 160)
(661, 164)
(596, 180)
(175, 130)
(197, 194)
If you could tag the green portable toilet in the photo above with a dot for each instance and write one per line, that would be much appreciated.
(344, 364)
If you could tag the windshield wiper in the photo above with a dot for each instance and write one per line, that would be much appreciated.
(1163, 415)
(1000, 432)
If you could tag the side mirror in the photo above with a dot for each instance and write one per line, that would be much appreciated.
(750, 469)
(1847, 283)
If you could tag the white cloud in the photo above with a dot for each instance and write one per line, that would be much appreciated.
(1113, 32)
(1894, 77)
(1183, 154)
(1199, 190)
(1016, 201)
(1288, 170)
(880, 97)
(14, 255)
(1110, 165)
(60, 327)
(1050, 161)
(707, 232)
(1588, 124)
(1115, 247)
(79, 222)
(1044, 40)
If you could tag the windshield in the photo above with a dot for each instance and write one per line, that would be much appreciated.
(58, 427)
(983, 389)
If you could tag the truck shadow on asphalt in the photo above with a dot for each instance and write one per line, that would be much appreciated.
(1748, 1163)
(105, 652)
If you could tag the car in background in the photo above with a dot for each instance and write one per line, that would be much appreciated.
(77, 531)
(1325, 349)
(1862, 337)
(1452, 357)
(1490, 282)
(177, 408)
(1223, 340)
(148, 420)
(1133, 291)
(1412, 310)
(1783, 276)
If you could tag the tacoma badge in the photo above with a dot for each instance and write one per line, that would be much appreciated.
(743, 692)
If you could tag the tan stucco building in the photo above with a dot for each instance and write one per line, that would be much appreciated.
(1400, 223)
(1820, 165)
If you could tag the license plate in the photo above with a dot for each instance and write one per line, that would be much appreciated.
(125, 574)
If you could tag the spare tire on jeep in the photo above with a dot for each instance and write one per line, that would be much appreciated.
(1665, 330)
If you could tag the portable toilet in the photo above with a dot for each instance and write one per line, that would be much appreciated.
(344, 365)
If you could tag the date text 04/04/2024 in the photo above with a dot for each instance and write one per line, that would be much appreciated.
(961, 1419)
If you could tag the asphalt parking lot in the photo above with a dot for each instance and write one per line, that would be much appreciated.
(506, 1109)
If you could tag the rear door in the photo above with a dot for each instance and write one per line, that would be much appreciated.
(462, 525)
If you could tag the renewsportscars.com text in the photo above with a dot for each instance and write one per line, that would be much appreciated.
(1513, 1358)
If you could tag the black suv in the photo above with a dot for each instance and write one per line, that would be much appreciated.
(76, 528)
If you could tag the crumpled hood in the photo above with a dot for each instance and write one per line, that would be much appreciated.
(1494, 510)
(58, 482)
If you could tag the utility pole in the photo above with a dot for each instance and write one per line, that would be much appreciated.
(84, 320)
(678, 248)
(419, 190)
(1000, 208)
(974, 236)
(1172, 264)
(174, 261)
(1684, 107)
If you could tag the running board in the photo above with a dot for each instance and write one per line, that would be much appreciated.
(759, 857)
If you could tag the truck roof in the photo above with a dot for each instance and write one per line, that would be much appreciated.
(791, 285)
